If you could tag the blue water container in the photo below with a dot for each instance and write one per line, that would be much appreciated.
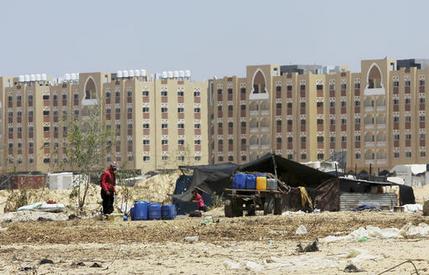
(168, 212)
(154, 211)
(239, 181)
(140, 211)
(250, 181)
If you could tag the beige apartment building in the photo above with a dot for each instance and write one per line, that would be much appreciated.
(158, 122)
(374, 118)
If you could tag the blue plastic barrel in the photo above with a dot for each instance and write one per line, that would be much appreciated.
(250, 181)
(239, 181)
(140, 211)
(168, 212)
(154, 211)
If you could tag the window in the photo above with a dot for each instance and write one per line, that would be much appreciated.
(196, 93)
(197, 142)
(408, 154)
(164, 109)
(145, 93)
(146, 142)
(164, 126)
(197, 126)
(146, 158)
(180, 93)
(145, 109)
(180, 110)
(164, 93)
(145, 125)
(180, 126)
(181, 142)
(164, 141)
(30, 101)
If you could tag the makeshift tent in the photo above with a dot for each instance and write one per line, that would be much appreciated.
(325, 188)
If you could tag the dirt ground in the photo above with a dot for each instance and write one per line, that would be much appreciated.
(261, 244)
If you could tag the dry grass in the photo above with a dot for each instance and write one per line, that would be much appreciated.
(237, 229)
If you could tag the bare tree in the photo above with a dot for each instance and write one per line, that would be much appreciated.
(87, 143)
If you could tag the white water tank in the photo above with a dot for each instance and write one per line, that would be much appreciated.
(170, 74)
(27, 78)
(188, 74)
(176, 74)
(38, 77)
(137, 73)
(21, 78)
(182, 74)
(119, 74)
(73, 76)
(44, 77)
(143, 73)
(125, 73)
(131, 73)
(67, 77)
(164, 75)
(32, 77)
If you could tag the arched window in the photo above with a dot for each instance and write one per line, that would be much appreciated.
(259, 83)
(90, 89)
(374, 78)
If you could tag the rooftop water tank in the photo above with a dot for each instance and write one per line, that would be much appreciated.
(125, 73)
(176, 74)
(44, 77)
(182, 74)
(32, 77)
(119, 74)
(73, 76)
(137, 72)
(188, 74)
(38, 77)
(143, 73)
(164, 75)
(170, 74)
(27, 78)
(131, 73)
(21, 78)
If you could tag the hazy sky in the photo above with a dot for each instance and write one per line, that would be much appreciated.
(208, 37)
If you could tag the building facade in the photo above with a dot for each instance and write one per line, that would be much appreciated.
(374, 119)
(156, 122)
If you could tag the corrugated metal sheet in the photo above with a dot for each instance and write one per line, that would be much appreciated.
(28, 181)
(349, 201)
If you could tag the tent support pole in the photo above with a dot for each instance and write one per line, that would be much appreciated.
(275, 165)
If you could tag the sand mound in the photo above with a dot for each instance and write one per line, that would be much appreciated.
(421, 193)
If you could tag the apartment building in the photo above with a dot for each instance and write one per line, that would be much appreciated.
(309, 113)
(157, 122)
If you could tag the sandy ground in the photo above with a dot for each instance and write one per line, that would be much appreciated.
(262, 244)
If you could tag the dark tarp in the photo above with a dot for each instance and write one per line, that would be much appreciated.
(291, 172)
(215, 178)
(185, 207)
(210, 179)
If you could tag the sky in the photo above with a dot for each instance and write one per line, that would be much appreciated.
(210, 38)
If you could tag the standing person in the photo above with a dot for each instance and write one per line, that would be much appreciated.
(199, 200)
(107, 184)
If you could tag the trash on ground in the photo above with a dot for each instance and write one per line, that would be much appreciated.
(409, 230)
(43, 206)
(367, 207)
(229, 264)
(26, 216)
(301, 230)
(413, 208)
(311, 247)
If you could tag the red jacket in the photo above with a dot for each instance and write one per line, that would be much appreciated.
(108, 180)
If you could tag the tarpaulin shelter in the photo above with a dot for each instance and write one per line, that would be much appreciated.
(324, 188)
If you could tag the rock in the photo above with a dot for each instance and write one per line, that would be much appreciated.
(191, 239)
(255, 267)
(96, 265)
(312, 247)
(74, 264)
(231, 264)
(301, 230)
(46, 261)
(426, 208)
(26, 268)
(352, 268)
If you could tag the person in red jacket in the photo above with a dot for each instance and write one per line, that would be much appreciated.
(107, 184)
(199, 200)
